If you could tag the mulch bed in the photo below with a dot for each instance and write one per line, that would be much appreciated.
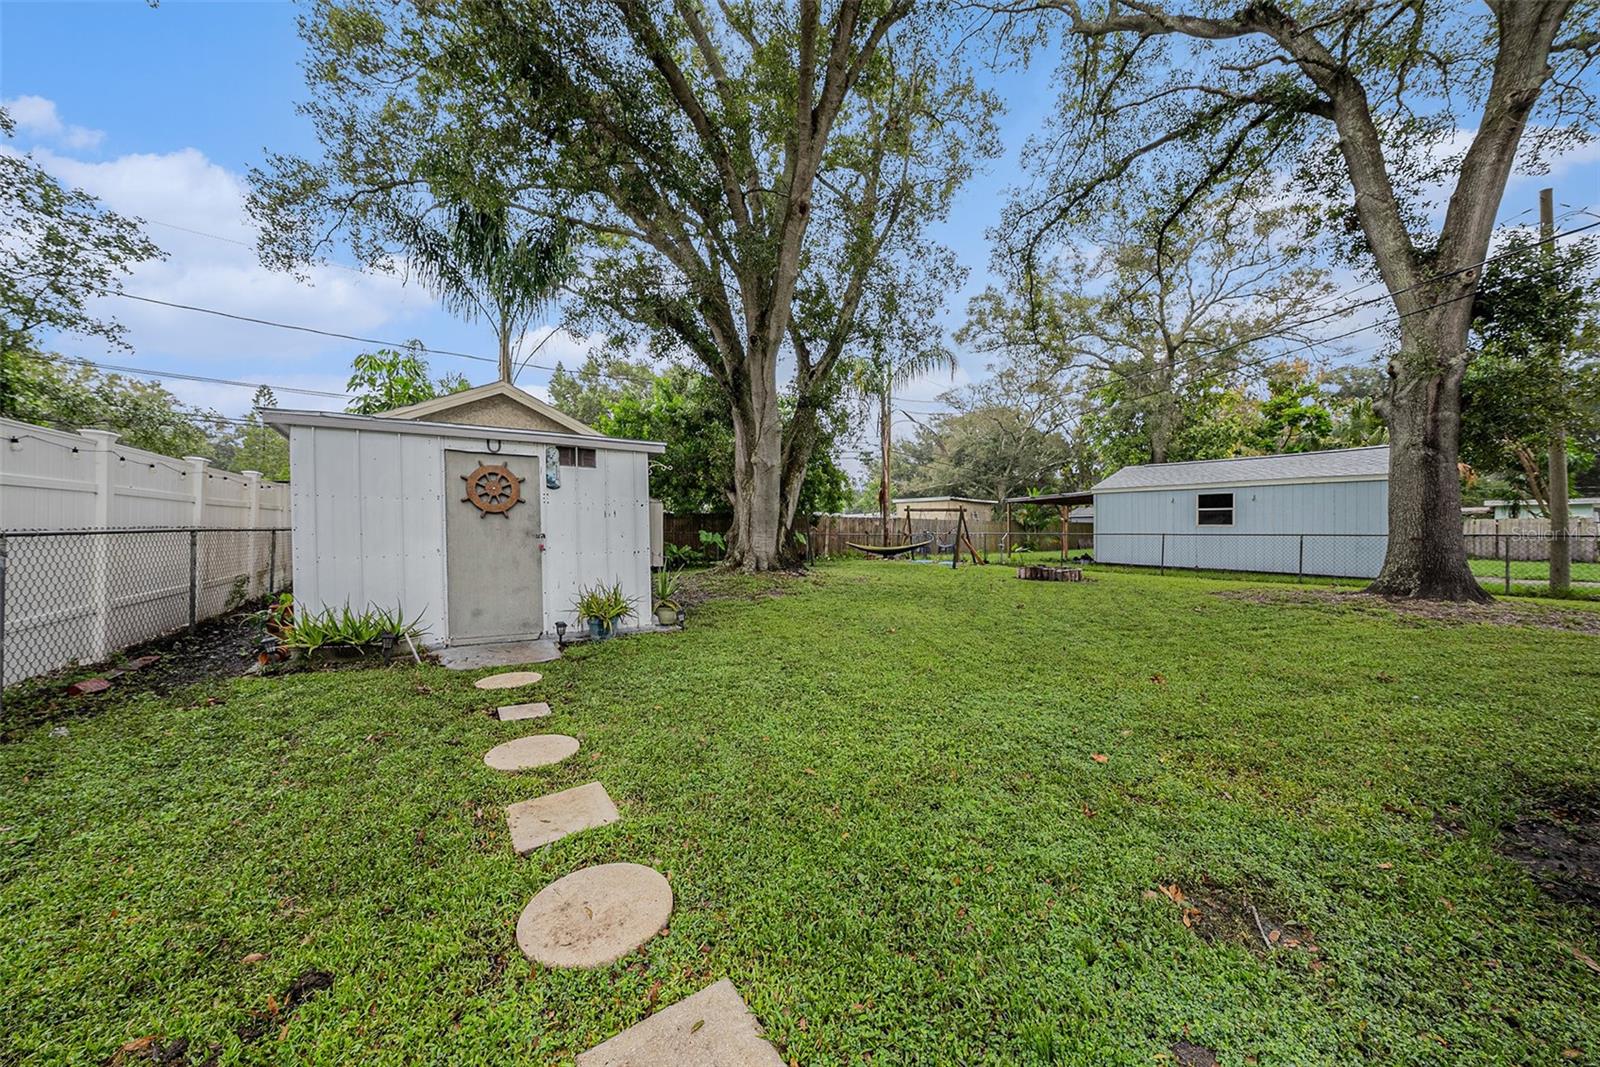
(224, 647)
(1498, 613)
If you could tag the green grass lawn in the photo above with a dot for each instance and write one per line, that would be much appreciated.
(877, 799)
(1492, 572)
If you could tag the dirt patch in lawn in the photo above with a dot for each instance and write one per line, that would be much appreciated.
(716, 583)
(279, 1008)
(1560, 848)
(1227, 915)
(1499, 613)
(1188, 1054)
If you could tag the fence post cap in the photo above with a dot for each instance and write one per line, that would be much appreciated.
(103, 439)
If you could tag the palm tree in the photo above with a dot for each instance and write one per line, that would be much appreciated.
(482, 265)
(874, 378)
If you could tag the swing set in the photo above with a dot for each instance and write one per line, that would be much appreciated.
(960, 539)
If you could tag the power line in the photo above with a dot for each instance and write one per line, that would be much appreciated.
(337, 335)
(145, 371)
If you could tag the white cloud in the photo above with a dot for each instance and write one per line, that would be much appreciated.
(38, 117)
(194, 210)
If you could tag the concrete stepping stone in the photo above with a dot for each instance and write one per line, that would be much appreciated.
(513, 712)
(509, 680)
(594, 916)
(539, 750)
(537, 822)
(713, 1027)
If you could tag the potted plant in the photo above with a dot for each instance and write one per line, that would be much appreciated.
(665, 586)
(602, 607)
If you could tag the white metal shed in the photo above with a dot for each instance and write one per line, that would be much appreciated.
(1315, 513)
(484, 529)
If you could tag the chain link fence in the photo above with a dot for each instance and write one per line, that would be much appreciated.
(1507, 562)
(78, 596)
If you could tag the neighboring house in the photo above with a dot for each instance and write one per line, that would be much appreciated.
(1582, 507)
(1321, 513)
(936, 507)
(482, 513)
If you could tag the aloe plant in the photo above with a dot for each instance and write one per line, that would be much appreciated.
(346, 628)
(665, 584)
(608, 603)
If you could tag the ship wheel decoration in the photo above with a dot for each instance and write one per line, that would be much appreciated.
(493, 489)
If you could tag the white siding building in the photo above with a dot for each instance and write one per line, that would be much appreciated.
(1314, 513)
(485, 529)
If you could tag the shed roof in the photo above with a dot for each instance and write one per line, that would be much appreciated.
(1535, 503)
(440, 408)
(942, 500)
(283, 418)
(1084, 496)
(1334, 465)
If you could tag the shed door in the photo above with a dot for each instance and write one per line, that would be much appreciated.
(492, 557)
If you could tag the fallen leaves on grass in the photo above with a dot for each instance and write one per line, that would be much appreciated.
(1585, 959)
(1100, 757)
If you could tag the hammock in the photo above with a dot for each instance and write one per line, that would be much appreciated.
(887, 550)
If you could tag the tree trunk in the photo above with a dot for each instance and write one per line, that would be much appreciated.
(754, 539)
(1427, 556)
(1163, 415)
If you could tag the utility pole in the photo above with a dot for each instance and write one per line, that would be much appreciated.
(1556, 476)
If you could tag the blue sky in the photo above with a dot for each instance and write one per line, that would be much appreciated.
(161, 111)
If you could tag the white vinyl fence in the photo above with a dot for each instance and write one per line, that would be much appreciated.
(105, 546)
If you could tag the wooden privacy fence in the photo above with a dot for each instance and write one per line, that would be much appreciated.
(1529, 539)
(684, 530)
(831, 534)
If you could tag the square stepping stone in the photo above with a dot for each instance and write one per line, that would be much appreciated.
(535, 823)
(711, 1027)
(513, 712)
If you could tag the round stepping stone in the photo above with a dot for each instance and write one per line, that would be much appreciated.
(594, 916)
(509, 680)
(540, 750)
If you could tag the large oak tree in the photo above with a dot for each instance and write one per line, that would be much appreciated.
(1372, 106)
(725, 162)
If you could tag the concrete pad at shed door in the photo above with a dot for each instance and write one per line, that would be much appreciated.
(537, 822)
(594, 916)
(713, 1027)
(538, 750)
(509, 680)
